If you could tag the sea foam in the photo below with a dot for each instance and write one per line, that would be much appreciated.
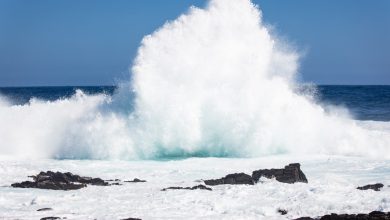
(213, 82)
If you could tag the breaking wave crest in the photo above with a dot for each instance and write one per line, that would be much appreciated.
(213, 82)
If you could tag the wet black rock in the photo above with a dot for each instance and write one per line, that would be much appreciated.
(203, 187)
(375, 215)
(135, 180)
(59, 181)
(290, 174)
(282, 211)
(113, 180)
(115, 184)
(44, 209)
(50, 218)
(49, 185)
(375, 187)
(236, 178)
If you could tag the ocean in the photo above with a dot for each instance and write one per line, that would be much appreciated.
(212, 93)
(364, 102)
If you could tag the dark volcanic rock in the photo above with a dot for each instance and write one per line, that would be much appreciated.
(236, 178)
(44, 209)
(375, 215)
(47, 184)
(59, 181)
(135, 180)
(282, 211)
(50, 218)
(188, 188)
(115, 184)
(375, 187)
(290, 174)
(113, 180)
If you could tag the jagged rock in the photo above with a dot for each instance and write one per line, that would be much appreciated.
(135, 180)
(131, 219)
(236, 178)
(375, 215)
(290, 174)
(59, 181)
(282, 211)
(375, 187)
(50, 218)
(188, 188)
(44, 209)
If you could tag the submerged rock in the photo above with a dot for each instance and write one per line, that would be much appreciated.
(113, 180)
(115, 184)
(282, 211)
(135, 180)
(375, 215)
(290, 174)
(375, 187)
(59, 181)
(44, 209)
(50, 218)
(188, 188)
(236, 178)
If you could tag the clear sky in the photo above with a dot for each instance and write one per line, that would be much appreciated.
(92, 42)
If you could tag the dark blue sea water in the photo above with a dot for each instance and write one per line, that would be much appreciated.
(364, 102)
(22, 95)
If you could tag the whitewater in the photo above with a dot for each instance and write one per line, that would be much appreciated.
(213, 92)
(213, 82)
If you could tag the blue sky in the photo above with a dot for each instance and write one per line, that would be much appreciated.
(92, 42)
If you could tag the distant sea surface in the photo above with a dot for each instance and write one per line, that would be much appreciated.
(363, 102)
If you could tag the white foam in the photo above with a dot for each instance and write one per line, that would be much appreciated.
(331, 189)
(213, 82)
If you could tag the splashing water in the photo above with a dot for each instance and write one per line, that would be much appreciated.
(214, 82)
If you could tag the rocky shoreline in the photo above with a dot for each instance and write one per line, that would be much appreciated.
(59, 181)
(375, 215)
(290, 174)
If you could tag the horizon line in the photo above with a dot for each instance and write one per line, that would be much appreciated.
(51, 86)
